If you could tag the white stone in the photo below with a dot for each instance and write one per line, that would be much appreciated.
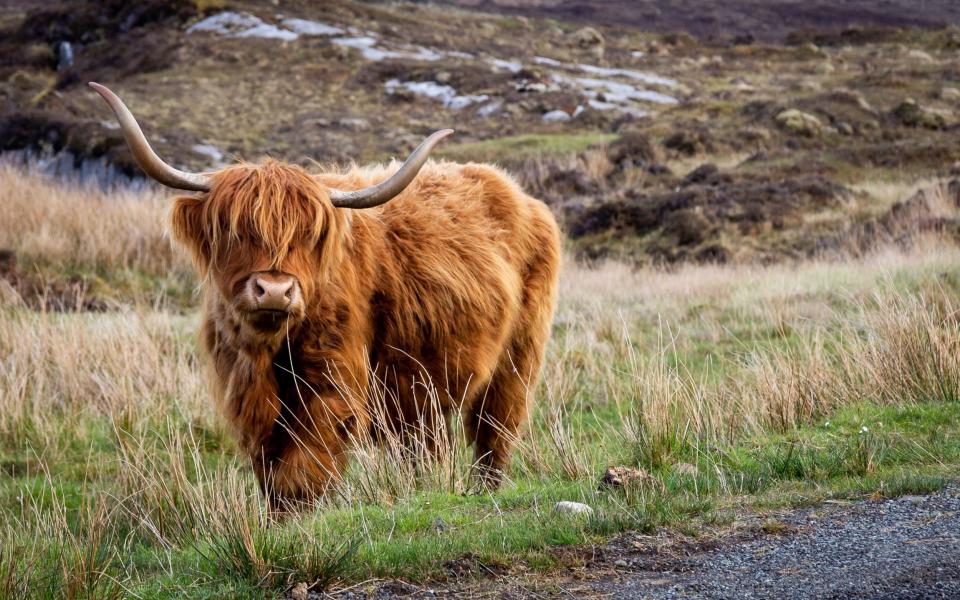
(572, 508)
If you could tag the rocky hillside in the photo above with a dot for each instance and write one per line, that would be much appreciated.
(660, 147)
(766, 20)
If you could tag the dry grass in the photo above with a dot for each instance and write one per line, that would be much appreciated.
(65, 227)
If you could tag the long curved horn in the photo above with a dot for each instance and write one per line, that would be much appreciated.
(148, 160)
(386, 190)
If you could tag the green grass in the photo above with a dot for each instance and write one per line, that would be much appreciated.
(915, 450)
(119, 478)
(519, 147)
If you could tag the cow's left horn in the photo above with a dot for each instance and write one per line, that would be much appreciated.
(386, 190)
(148, 160)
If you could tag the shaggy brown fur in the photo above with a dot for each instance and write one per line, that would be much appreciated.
(452, 282)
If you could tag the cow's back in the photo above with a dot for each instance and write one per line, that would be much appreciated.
(466, 255)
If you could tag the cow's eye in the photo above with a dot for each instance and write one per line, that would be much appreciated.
(346, 427)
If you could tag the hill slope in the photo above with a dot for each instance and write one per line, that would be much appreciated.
(659, 147)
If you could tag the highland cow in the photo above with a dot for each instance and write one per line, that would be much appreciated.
(318, 286)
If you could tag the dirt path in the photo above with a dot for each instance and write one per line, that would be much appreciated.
(906, 547)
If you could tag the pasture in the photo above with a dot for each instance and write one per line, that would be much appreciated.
(732, 388)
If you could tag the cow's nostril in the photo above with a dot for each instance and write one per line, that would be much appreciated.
(289, 293)
(258, 290)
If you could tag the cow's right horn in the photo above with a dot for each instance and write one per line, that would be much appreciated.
(148, 160)
(387, 190)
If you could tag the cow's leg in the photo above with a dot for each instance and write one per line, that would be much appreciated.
(300, 474)
(420, 419)
(500, 410)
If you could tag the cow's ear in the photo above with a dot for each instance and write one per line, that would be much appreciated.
(187, 226)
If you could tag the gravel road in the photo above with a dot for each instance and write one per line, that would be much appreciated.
(902, 548)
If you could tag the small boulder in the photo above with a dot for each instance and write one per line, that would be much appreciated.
(825, 68)
(300, 591)
(811, 50)
(623, 476)
(587, 37)
(701, 174)
(911, 114)
(439, 525)
(572, 508)
(526, 86)
(799, 122)
(354, 123)
(950, 94)
(685, 142)
(634, 148)
(920, 56)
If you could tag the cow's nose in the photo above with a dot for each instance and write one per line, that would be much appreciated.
(273, 292)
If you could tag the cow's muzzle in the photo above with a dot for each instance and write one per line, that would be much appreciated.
(274, 292)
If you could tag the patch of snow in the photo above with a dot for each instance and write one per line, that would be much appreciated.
(491, 108)
(269, 32)
(423, 54)
(225, 23)
(431, 89)
(509, 65)
(110, 124)
(599, 105)
(210, 151)
(367, 46)
(637, 75)
(458, 54)
(543, 60)
(636, 112)
(615, 91)
(638, 54)
(306, 27)
(555, 116)
(236, 24)
(562, 115)
(360, 42)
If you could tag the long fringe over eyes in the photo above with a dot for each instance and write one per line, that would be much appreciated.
(274, 206)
